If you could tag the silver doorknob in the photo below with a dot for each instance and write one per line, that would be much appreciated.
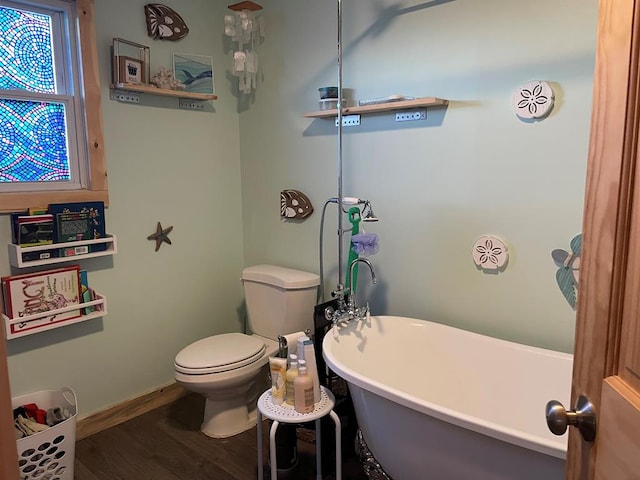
(583, 417)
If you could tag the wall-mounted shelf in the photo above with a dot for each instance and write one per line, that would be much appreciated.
(380, 107)
(132, 87)
(17, 254)
(22, 327)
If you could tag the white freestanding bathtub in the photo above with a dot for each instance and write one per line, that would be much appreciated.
(438, 403)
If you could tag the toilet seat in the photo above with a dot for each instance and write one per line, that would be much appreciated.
(219, 353)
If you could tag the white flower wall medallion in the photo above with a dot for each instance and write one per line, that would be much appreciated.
(490, 254)
(533, 100)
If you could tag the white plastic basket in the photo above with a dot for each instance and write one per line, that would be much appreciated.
(50, 454)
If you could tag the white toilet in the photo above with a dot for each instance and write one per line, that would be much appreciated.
(230, 369)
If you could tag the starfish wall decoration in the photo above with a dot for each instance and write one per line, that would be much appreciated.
(161, 235)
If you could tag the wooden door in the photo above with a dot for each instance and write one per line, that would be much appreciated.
(607, 350)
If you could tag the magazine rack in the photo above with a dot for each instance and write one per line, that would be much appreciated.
(100, 305)
(17, 253)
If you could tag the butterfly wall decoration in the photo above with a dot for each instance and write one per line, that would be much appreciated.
(568, 273)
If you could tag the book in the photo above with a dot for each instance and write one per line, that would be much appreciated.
(37, 210)
(86, 293)
(39, 292)
(14, 226)
(73, 251)
(95, 222)
(35, 230)
(40, 255)
(73, 227)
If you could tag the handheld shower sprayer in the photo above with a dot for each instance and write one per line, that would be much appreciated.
(369, 216)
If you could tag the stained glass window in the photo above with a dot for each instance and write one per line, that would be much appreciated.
(26, 54)
(33, 144)
(35, 112)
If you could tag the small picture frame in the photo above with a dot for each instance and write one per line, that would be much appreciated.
(131, 70)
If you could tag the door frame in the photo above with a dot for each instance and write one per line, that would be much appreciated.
(8, 449)
(612, 151)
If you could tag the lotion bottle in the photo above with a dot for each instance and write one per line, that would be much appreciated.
(292, 373)
(303, 386)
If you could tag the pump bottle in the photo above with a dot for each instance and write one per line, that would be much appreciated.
(303, 387)
(292, 373)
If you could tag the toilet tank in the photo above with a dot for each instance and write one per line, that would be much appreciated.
(279, 300)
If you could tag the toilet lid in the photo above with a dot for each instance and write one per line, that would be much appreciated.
(219, 353)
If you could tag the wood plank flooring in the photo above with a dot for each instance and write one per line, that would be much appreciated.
(166, 444)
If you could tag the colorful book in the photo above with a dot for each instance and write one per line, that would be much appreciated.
(37, 210)
(35, 230)
(40, 255)
(91, 212)
(39, 292)
(73, 227)
(14, 226)
(86, 293)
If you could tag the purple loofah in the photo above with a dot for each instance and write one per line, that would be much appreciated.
(365, 243)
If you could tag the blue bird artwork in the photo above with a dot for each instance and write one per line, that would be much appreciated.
(568, 273)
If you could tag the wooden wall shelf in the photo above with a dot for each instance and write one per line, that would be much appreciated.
(132, 87)
(381, 107)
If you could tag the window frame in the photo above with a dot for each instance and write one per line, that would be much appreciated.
(97, 187)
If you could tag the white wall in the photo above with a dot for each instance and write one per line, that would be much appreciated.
(437, 185)
(178, 167)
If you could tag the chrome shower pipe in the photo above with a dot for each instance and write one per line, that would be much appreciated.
(340, 197)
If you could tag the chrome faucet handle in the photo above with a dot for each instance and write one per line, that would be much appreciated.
(339, 293)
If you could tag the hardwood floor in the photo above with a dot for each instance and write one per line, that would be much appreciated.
(166, 444)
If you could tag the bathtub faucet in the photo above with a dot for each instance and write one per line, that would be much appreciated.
(349, 310)
(359, 312)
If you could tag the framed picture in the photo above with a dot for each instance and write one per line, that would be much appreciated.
(130, 70)
(195, 71)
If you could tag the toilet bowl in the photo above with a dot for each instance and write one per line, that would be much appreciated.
(231, 370)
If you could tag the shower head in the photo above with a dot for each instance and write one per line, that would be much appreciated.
(369, 216)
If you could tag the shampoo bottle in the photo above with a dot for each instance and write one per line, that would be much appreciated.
(303, 386)
(307, 352)
(292, 373)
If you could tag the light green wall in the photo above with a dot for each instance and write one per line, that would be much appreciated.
(437, 185)
(181, 168)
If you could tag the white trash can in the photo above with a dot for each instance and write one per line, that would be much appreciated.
(50, 454)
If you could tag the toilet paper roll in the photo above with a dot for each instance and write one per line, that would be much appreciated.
(291, 340)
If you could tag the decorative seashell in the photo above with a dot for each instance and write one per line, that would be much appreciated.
(294, 204)
(490, 254)
(533, 100)
(164, 23)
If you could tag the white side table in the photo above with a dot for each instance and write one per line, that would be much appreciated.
(286, 414)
